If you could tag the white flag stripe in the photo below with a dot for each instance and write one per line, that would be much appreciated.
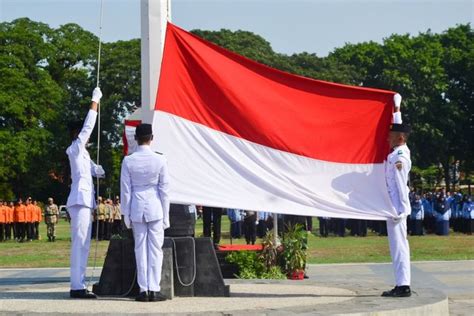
(211, 168)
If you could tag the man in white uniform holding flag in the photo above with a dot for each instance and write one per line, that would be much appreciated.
(81, 200)
(397, 168)
(144, 183)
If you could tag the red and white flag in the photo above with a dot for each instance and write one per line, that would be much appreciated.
(239, 134)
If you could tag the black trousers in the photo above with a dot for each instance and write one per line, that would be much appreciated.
(340, 227)
(30, 230)
(309, 223)
(262, 228)
(470, 226)
(2, 231)
(250, 229)
(211, 217)
(323, 227)
(358, 227)
(101, 229)
(20, 231)
(107, 229)
(8, 231)
(36, 230)
(417, 227)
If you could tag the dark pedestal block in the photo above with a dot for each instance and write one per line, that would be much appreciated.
(184, 266)
(209, 281)
(228, 270)
(118, 277)
(118, 274)
(182, 222)
(166, 284)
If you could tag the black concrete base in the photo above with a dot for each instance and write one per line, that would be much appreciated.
(209, 281)
(118, 274)
(118, 277)
(228, 270)
(182, 222)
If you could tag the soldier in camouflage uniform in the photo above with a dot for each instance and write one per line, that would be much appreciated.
(51, 218)
(109, 218)
(101, 210)
(117, 225)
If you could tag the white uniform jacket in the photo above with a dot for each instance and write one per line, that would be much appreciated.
(144, 186)
(397, 167)
(82, 167)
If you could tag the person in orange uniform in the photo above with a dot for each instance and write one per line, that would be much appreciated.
(11, 222)
(3, 220)
(19, 216)
(30, 213)
(9, 227)
(37, 219)
(37, 216)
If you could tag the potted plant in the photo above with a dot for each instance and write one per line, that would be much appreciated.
(294, 251)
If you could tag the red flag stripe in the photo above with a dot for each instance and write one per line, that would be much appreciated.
(209, 85)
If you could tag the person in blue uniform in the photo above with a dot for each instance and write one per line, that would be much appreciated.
(417, 216)
(442, 214)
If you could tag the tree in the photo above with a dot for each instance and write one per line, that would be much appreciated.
(29, 101)
(423, 70)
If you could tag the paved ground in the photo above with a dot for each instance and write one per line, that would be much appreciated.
(454, 278)
(335, 287)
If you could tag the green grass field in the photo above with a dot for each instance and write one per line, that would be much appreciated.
(372, 248)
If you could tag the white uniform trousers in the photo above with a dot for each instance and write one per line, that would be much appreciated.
(399, 250)
(81, 225)
(149, 239)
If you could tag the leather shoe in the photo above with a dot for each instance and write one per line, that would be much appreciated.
(142, 297)
(81, 294)
(156, 296)
(398, 291)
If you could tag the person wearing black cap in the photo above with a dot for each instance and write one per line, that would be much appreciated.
(144, 184)
(397, 168)
(81, 200)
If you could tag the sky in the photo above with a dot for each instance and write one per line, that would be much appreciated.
(291, 26)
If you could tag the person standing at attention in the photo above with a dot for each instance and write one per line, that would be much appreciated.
(144, 186)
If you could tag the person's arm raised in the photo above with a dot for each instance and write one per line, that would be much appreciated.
(91, 117)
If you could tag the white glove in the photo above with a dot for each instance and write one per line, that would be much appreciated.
(99, 172)
(127, 221)
(96, 95)
(399, 218)
(397, 100)
(256, 222)
(397, 118)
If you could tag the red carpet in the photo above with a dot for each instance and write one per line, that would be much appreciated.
(240, 247)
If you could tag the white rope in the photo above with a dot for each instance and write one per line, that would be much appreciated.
(98, 143)
(193, 278)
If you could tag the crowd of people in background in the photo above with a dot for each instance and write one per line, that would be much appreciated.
(436, 212)
(20, 220)
(107, 219)
(431, 213)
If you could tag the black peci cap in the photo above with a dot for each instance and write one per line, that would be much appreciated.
(402, 128)
(143, 130)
